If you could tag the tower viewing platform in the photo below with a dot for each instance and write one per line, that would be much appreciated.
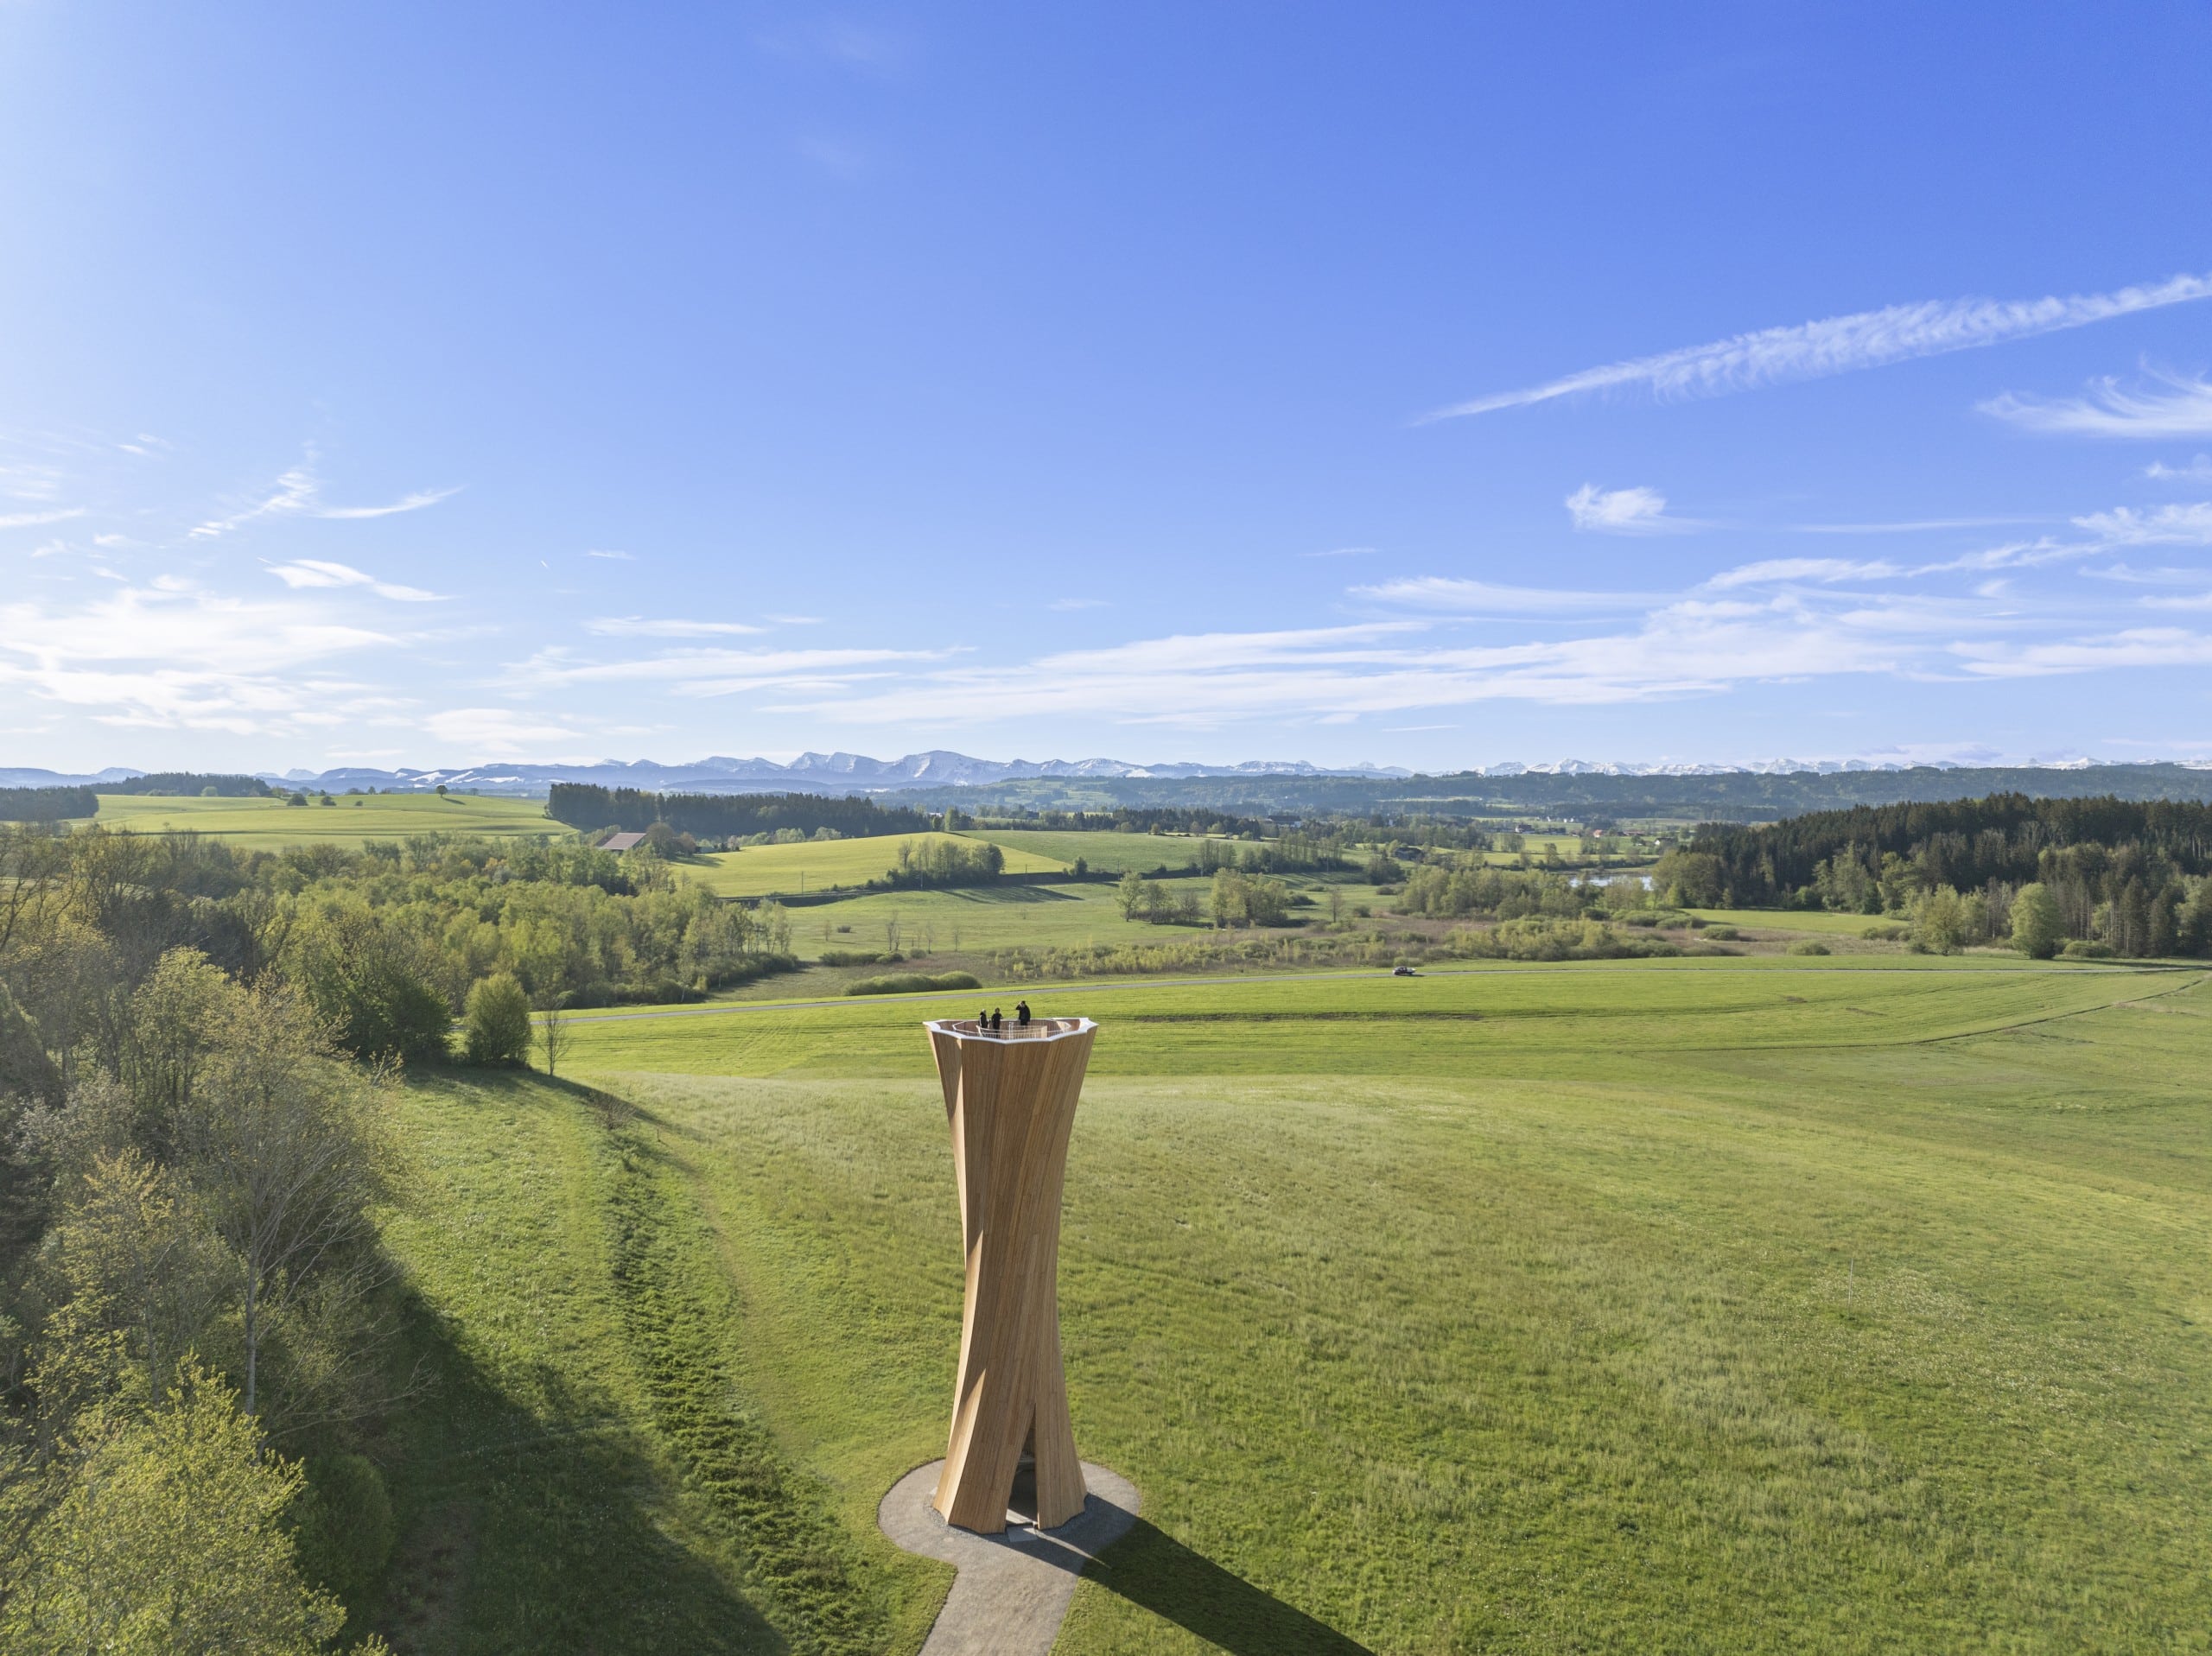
(1010, 1095)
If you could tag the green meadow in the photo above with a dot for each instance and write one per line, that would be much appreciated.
(349, 820)
(826, 864)
(1111, 854)
(1752, 1304)
(975, 920)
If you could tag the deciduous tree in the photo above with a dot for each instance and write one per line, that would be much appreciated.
(2038, 929)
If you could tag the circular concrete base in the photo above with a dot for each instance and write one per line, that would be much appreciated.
(1012, 1590)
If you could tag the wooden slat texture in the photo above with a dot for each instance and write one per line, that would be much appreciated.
(1011, 1101)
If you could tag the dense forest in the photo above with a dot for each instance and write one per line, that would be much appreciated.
(726, 816)
(47, 804)
(2128, 875)
(191, 785)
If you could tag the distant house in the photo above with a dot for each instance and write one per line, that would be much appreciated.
(622, 843)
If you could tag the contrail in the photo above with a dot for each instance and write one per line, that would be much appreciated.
(1838, 344)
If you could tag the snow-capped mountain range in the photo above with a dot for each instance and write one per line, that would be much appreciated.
(856, 773)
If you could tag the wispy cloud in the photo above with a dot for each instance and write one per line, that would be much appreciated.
(2183, 409)
(1214, 679)
(314, 572)
(624, 557)
(298, 494)
(499, 732)
(1077, 604)
(415, 502)
(2136, 647)
(1710, 642)
(2176, 525)
(1826, 571)
(639, 626)
(2196, 470)
(1839, 344)
(1459, 597)
(32, 519)
(1341, 552)
(172, 656)
(717, 672)
(1623, 511)
(2128, 576)
(1910, 526)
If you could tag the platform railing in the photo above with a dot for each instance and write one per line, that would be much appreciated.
(1035, 1028)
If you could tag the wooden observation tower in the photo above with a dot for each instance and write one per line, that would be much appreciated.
(1010, 1095)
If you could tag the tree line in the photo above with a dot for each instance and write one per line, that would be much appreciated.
(47, 804)
(1124, 820)
(704, 816)
(198, 1321)
(2132, 876)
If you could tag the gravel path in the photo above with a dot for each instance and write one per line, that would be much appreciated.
(1012, 1590)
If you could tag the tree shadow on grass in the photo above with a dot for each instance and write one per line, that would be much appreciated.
(532, 1517)
(1156, 1572)
(1003, 894)
(540, 1526)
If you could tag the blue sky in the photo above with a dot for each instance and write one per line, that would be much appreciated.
(1426, 385)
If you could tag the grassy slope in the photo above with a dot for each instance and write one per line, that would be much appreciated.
(271, 824)
(1694, 1305)
(1447, 1024)
(580, 1473)
(775, 870)
(1112, 853)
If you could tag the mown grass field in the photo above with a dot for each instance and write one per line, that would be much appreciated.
(971, 920)
(350, 820)
(1744, 1305)
(1813, 922)
(1112, 853)
(978, 919)
(825, 865)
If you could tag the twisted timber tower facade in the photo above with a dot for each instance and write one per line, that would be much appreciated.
(1011, 1098)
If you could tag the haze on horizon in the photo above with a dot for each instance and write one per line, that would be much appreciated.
(1432, 388)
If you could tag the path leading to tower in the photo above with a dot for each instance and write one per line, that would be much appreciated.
(1014, 1589)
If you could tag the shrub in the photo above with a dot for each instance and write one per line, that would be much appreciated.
(1885, 931)
(498, 1021)
(343, 1527)
(1722, 934)
(854, 957)
(1807, 946)
(1543, 937)
(912, 983)
(2082, 949)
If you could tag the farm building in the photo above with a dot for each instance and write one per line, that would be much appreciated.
(622, 843)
